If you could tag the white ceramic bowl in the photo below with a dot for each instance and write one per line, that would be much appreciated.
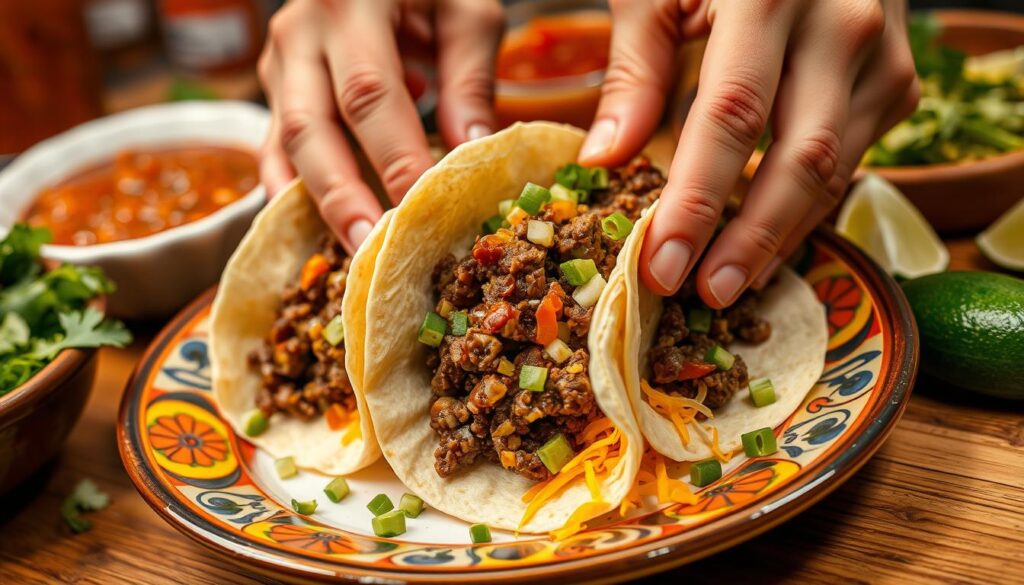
(156, 274)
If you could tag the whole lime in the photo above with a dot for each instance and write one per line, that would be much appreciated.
(972, 329)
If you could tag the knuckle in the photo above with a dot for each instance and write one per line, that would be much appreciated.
(765, 235)
(399, 171)
(835, 189)
(817, 156)
(294, 126)
(911, 97)
(738, 108)
(697, 204)
(866, 20)
(476, 84)
(363, 90)
(263, 67)
(489, 14)
(279, 28)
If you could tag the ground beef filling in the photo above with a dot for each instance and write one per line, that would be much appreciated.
(480, 413)
(676, 348)
(301, 373)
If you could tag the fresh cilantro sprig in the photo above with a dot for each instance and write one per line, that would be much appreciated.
(87, 497)
(45, 312)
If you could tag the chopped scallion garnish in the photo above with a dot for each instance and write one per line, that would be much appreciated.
(432, 330)
(578, 271)
(460, 323)
(411, 504)
(560, 192)
(533, 378)
(588, 294)
(532, 198)
(479, 533)
(705, 472)
(255, 422)
(305, 508)
(598, 178)
(337, 489)
(286, 467)
(390, 524)
(698, 319)
(759, 442)
(334, 333)
(505, 206)
(555, 453)
(617, 226)
(380, 504)
(717, 355)
(762, 392)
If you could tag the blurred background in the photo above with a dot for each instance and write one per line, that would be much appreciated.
(63, 62)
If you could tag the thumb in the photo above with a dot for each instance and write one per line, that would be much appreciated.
(645, 34)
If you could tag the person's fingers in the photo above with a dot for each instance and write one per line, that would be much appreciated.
(366, 72)
(644, 38)
(738, 80)
(309, 134)
(275, 170)
(468, 34)
(809, 119)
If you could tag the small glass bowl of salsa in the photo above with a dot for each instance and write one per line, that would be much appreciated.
(552, 61)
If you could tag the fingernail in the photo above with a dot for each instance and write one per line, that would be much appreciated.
(668, 265)
(766, 274)
(600, 138)
(478, 131)
(358, 231)
(725, 283)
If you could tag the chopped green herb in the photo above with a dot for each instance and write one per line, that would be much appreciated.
(532, 378)
(86, 497)
(556, 453)
(389, 524)
(432, 330)
(532, 198)
(286, 467)
(334, 333)
(305, 508)
(759, 442)
(411, 504)
(460, 323)
(762, 392)
(255, 423)
(705, 472)
(717, 355)
(578, 271)
(379, 504)
(337, 489)
(617, 226)
(698, 319)
(479, 533)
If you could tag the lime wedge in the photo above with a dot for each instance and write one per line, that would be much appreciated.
(879, 219)
(1003, 241)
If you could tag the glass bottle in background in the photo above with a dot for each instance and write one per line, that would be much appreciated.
(48, 72)
(124, 35)
(212, 36)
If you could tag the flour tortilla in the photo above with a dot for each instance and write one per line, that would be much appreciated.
(793, 357)
(284, 234)
(442, 213)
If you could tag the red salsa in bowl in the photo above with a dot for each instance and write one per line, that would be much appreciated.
(143, 191)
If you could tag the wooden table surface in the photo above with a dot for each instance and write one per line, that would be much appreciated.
(942, 501)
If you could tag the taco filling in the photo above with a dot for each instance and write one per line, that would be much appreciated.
(301, 363)
(511, 381)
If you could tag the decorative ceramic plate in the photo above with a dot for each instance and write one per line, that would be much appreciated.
(221, 491)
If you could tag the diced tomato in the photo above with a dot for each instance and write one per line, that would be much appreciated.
(313, 269)
(488, 250)
(692, 370)
(336, 416)
(497, 316)
(547, 316)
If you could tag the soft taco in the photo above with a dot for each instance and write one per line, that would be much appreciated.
(493, 372)
(284, 338)
(699, 379)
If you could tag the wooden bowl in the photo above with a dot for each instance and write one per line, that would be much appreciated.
(968, 195)
(36, 417)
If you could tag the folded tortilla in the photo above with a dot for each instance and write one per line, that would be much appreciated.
(284, 234)
(442, 213)
(792, 357)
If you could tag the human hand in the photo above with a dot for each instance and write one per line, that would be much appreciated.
(336, 65)
(833, 76)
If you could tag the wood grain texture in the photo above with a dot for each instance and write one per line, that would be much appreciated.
(941, 502)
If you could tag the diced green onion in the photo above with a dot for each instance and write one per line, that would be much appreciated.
(334, 333)
(578, 271)
(533, 378)
(617, 226)
(532, 198)
(762, 392)
(389, 524)
(568, 175)
(285, 467)
(558, 351)
(759, 442)
(337, 489)
(598, 178)
(505, 206)
(717, 355)
(493, 223)
(460, 323)
(432, 330)
(698, 319)
(379, 504)
(305, 508)
(411, 504)
(541, 233)
(560, 192)
(255, 422)
(588, 294)
(479, 533)
(505, 367)
(555, 453)
(705, 472)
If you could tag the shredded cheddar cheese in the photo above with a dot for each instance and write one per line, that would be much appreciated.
(653, 480)
(682, 413)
